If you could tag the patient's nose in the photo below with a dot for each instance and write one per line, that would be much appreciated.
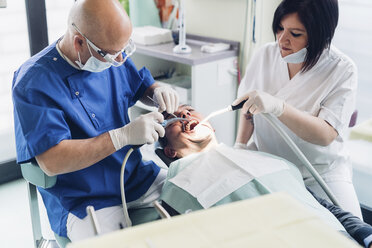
(185, 114)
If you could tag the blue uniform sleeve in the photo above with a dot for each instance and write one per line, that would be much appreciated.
(39, 124)
(139, 80)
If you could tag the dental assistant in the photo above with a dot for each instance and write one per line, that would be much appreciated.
(71, 105)
(311, 87)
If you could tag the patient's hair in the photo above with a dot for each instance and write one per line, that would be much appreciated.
(320, 18)
(163, 141)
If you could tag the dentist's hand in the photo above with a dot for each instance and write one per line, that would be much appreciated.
(145, 129)
(167, 99)
(261, 102)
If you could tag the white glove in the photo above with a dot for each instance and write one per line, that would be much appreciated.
(242, 146)
(261, 102)
(167, 99)
(145, 129)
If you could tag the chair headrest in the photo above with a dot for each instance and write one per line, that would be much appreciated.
(163, 157)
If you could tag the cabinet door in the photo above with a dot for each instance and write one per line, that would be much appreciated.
(214, 87)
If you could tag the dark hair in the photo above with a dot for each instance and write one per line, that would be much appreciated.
(320, 18)
(163, 141)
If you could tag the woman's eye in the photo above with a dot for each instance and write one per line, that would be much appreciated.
(280, 28)
(296, 35)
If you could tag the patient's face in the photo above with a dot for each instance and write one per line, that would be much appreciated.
(183, 138)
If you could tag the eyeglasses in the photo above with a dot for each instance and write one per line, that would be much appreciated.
(128, 50)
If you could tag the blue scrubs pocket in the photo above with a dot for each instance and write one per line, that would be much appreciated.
(99, 98)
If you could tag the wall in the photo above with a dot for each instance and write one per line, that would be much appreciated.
(227, 20)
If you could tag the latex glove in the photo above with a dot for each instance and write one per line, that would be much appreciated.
(261, 102)
(242, 146)
(167, 99)
(145, 129)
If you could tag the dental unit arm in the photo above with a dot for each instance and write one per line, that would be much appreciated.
(288, 140)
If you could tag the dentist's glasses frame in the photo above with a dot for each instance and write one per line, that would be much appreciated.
(128, 50)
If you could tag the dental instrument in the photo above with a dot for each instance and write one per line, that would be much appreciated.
(165, 124)
(224, 110)
(288, 140)
(93, 217)
(182, 47)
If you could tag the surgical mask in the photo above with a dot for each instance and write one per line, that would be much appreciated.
(93, 64)
(297, 57)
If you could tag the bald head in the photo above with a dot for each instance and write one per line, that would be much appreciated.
(104, 22)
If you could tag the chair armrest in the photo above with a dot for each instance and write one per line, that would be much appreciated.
(32, 173)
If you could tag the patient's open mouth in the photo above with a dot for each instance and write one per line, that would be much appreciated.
(191, 125)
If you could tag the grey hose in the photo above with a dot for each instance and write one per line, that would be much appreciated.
(302, 157)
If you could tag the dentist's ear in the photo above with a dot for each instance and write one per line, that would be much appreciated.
(169, 152)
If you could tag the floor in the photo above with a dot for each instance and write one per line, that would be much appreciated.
(15, 227)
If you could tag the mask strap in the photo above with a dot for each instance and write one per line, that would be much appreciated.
(91, 54)
(80, 64)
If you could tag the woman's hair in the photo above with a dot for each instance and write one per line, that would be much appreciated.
(320, 18)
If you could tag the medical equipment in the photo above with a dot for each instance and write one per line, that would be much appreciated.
(162, 212)
(288, 140)
(125, 208)
(224, 110)
(182, 47)
(93, 217)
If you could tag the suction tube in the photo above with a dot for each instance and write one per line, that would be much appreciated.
(302, 157)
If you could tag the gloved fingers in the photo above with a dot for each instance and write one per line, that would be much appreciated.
(157, 117)
(248, 104)
(154, 137)
(159, 129)
(174, 101)
(240, 99)
(254, 109)
(158, 97)
(167, 96)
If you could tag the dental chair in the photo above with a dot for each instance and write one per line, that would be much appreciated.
(35, 177)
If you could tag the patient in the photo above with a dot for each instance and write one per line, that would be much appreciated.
(208, 174)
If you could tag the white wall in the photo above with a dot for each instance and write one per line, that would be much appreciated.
(227, 20)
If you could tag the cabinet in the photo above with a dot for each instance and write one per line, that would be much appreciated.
(207, 81)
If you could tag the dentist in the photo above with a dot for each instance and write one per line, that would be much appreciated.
(311, 87)
(71, 105)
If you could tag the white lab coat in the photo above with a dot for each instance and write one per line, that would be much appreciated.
(328, 91)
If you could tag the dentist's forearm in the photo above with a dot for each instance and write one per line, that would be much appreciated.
(309, 128)
(74, 155)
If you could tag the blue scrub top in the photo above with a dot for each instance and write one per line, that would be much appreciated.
(54, 101)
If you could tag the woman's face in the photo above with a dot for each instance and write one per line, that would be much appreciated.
(291, 35)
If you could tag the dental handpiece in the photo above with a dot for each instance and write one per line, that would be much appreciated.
(224, 110)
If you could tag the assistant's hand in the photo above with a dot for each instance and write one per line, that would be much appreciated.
(167, 99)
(261, 102)
(145, 129)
